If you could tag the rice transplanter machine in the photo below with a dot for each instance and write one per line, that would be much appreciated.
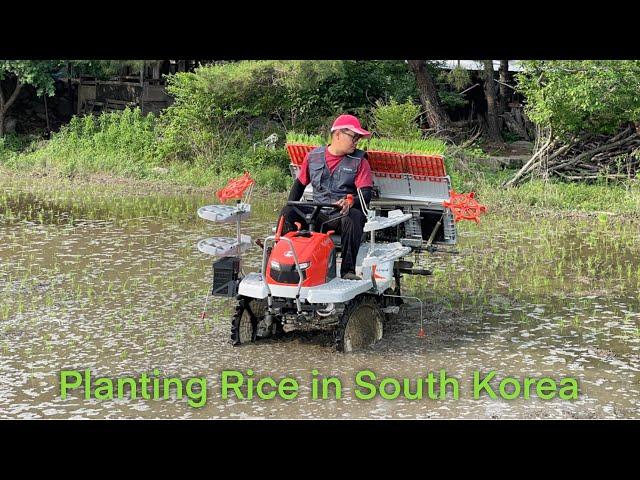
(414, 210)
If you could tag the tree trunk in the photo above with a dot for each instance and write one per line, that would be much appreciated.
(493, 129)
(504, 90)
(4, 106)
(436, 116)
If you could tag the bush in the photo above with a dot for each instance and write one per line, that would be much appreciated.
(397, 120)
(263, 157)
(273, 178)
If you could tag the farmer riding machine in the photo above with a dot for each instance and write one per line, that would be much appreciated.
(414, 211)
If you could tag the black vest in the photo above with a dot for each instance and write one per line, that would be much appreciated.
(331, 187)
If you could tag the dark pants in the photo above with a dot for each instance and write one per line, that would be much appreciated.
(349, 227)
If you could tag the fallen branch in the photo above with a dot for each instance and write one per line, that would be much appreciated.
(585, 158)
(526, 167)
(470, 141)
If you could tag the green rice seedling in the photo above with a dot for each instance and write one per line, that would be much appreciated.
(305, 139)
(426, 146)
(576, 322)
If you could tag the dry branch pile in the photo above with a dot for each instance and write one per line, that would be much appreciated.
(583, 158)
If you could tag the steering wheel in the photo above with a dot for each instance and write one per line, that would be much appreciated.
(313, 216)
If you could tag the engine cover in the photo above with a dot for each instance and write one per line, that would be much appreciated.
(316, 255)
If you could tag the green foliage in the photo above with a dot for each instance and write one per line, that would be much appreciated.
(104, 69)
(458, 78)
(352, 86)
(452, 99)
(576, 96)
(38, 73)
(397, 120)
(215, 105)
(12, 143)
(449, 84)
(119, 142)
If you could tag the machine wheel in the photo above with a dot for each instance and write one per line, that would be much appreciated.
(244, 325)
(360, 325)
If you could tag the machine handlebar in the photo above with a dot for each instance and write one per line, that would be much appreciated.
(311, 217)
(313, 204)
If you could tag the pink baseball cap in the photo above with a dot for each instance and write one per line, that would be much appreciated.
(350, 122)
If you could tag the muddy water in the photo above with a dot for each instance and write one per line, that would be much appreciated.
(525, 297)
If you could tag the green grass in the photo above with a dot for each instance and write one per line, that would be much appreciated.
(540, 195)
(128, 144)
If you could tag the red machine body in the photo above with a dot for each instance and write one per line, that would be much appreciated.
(316, 255)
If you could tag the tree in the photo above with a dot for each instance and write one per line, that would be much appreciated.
(17, 74)
(436, 115)
(492, 108)
(587, 113)
(581, 96)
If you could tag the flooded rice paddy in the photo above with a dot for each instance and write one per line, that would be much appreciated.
(116, 285)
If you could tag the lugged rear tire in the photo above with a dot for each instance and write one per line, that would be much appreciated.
(360, 325)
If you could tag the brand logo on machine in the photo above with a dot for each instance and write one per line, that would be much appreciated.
(288, 253)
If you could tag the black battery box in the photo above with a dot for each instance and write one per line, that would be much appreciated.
(226, 272)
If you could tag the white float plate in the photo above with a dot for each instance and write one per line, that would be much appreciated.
(338, 290)
(224, 246)
(384, 252)
(224, 213)
(396, 217)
